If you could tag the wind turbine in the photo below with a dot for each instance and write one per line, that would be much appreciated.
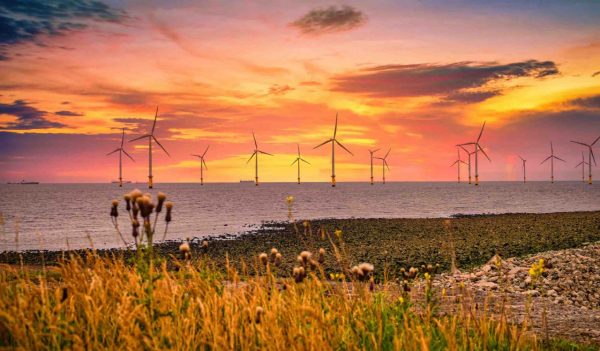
(469, 160)
(298, 159)
(150, 138)
(582, 164)
(121, 151)
(476, 152)
(551, 158)
(255, 155)
(202, 165)
(590, 156)
(458, 162)
(384, 163)
(333, 141)
(524, 170)
(372, 152)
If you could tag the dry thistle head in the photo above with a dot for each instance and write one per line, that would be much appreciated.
(161, 197)
(305, 256)
(263, 258)
(184, 248)
(356, 272)
(113, 209)
(313, 264)
(134, 226)
(321, 255)
(134, 194)
(169, 207)
(366, 268)
(299, 274)
(274, 252)
(127, 199)
(205, 244)
(289, 200)
(278, 259)
(305, 224)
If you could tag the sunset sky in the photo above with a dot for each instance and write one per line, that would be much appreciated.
(414, 76)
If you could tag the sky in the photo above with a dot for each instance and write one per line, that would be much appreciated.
(416, 77)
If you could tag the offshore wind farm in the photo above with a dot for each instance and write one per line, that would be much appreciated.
(387, 175)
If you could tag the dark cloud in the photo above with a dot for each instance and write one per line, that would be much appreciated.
(329, 20)
(596, 73)
(587, 102)
(277, 89)
(28, 117)
(471, 97)
(67, 113)
(29, 20)
(430, 79)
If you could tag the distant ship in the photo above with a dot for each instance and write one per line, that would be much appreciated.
(246, 181)
(124, 182)
(24, 182)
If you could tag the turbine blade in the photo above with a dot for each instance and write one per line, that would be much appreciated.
(547, 158)
(298, 149)
(386, 164)
(335, 129)
(128, 155)
(579, 164)
(464, 148)
(203, 163)
(162, 147)
(558, 158)
(522, 159)
(386, 155)
(112, 152)
(481, 132)
(296, 160)
(551, 148)
(196, 155)
(266, 153)
(255, 143)
(154, 124)
(123, 138)
(463, 162)
(343, 147)
(142, 137)
(593, 157)
(483, 151)
(303, 160)
(463, 144)
(205, 151)
(323, 143)
(577, 142)
(254, 153)
(595, 141)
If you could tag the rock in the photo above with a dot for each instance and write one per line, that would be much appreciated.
(552, 293)
(533, 293)
(487, 285)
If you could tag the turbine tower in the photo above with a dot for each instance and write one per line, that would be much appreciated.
(202, 165)
(255, 155)
(478, 148)
(151, 137)
(469, 160)
(372, 152)
(590, 156)
(551, 158)
(121, 151)
(298, 159)
(384, 163)
(524, 170)
(582, 164)
(458, 162)
(333, 141)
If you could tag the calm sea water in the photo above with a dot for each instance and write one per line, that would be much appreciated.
(46, 216)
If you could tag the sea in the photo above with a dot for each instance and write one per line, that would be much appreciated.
(76, 216)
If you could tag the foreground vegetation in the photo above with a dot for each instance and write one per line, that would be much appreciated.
(352, 289)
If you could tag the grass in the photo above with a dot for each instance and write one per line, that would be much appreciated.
(100, 303)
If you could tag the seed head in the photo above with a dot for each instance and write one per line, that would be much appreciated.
(264, 259)
(278, 259)
(205, 244)
(274, 252)
(305, 256)
(299, 274)
(184, 248)
(161, 199)
(366, 268)
(169, 207)
(259, 312)
(321, 255)
(113, 210)
(127, 199)
(289, 200)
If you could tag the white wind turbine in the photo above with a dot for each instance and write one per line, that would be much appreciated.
(551, 158)
(372, 152)
(384, 163)
(255, 155)
(333, 141)
(590, 156)
(121, 151)
(298, 160)
(151, 137)
(582, 164)
(458, 162)
(202, 164)
(478, 148)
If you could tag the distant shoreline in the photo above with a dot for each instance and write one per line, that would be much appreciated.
(392, 242)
